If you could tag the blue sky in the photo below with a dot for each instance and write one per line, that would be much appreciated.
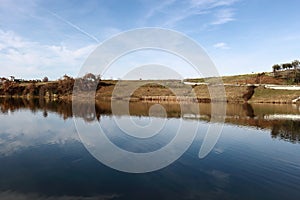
(39, 38)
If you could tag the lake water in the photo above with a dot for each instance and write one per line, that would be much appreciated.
(42, 157)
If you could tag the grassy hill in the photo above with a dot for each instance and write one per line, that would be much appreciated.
(236, 87)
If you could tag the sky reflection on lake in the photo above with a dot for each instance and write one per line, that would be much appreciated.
(42, 156)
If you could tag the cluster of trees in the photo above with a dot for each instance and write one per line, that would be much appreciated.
(293, 65)
(288, 71)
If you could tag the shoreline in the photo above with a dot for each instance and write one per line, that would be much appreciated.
(152, 91)
(152, 99)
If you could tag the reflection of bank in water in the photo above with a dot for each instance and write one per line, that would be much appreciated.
(282, 117)
(288, 130)
(283, 120)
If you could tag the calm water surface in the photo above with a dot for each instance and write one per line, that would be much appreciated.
(42, 157)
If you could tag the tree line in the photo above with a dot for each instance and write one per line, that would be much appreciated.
(51, 89)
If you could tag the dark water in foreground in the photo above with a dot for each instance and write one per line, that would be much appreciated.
(42, 157)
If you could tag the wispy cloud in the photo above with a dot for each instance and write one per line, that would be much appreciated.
(39, 16)
(212, 3)
(74, 26)
(223, 16)
(159, 7)
(221, 45)
(172, 12)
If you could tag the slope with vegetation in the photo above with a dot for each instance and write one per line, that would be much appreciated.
(239, 88)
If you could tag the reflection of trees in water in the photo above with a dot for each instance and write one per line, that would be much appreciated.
(88, 111)
(237, 114)
(287, 130)
(249, 110)
(63, 109)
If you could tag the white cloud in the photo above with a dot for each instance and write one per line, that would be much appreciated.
(221, 45)
(223, 16)
(28, 59)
